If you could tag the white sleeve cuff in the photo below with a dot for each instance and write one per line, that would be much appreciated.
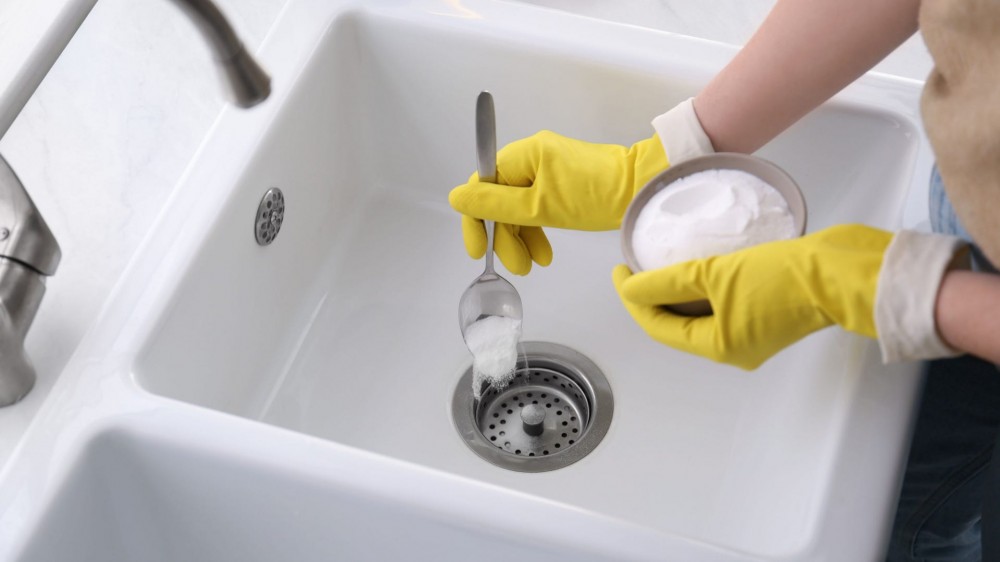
(681, 133)
(908, 284)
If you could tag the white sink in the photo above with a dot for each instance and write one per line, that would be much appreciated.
(345, 328)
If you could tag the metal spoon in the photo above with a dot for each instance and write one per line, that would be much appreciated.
(490, 294)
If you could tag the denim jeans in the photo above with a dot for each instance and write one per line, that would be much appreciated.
(944, 220)
(939, 512)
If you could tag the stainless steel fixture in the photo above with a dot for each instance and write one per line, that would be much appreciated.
(555, 411)
(28, 250)
(247, 81)
(270, 215)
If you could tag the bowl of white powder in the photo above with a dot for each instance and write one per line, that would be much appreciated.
(707, 206)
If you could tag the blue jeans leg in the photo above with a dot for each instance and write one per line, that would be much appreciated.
(938, 516)
(991, 508)
(944, 220)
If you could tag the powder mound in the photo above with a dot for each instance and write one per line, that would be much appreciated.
(493, 343)
(706, 214)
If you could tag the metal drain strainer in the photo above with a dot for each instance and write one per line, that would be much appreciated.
(270, 215)
(554, 412)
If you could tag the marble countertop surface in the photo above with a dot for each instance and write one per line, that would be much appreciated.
(31, 35)
(108, 133)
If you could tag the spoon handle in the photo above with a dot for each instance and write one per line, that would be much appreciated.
(486, 154)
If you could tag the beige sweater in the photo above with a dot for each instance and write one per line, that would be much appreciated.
(961, 110)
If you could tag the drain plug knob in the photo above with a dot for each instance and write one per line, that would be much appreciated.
(533, 417)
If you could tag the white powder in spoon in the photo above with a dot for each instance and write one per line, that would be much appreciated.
(706, 214)
(493, 343)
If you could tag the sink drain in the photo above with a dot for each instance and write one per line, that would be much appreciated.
(553, 413)
(270, 215)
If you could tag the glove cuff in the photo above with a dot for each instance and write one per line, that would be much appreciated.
(681, 133)
(908, 283)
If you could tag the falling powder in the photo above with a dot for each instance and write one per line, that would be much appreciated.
(493, 343)
(709, 213)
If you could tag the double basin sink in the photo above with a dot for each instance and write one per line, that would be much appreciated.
(292, 401)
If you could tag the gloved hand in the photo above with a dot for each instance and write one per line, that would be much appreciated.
(551, 180)
(569, 184)
(765, 297)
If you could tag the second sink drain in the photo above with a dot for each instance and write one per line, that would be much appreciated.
(556, 410)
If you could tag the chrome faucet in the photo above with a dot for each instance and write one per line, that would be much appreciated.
(28, 250)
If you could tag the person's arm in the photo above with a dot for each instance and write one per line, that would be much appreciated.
(968, 313)
(803, 53)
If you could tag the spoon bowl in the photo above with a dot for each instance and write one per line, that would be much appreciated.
(488, 295)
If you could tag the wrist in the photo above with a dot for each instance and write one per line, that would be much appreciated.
(905, 304)
(965, 313)
(681, 133)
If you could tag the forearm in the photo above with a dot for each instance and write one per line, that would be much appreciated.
(804, 53)
(968, 313)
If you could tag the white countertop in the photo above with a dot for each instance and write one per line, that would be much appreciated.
(106, 137)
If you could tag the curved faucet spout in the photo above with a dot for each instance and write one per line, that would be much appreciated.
(247, 81)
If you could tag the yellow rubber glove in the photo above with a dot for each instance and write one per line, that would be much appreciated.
(765, 297)
(559, 182)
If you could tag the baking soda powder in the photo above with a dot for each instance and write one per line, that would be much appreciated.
(493, 343)
(706, 214)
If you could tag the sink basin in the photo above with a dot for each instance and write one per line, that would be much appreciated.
(339, 342)
(135, 494)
